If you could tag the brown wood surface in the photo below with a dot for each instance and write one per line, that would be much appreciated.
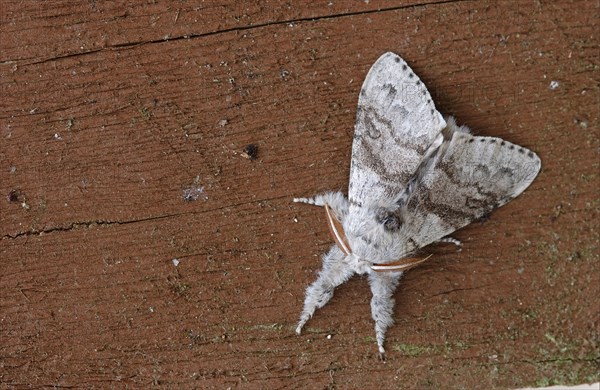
(110, 112)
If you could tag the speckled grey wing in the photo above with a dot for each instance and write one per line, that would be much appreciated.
(472, 177)
(396, 122)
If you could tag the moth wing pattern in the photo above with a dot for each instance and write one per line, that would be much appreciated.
(396, 123)
(473, 176)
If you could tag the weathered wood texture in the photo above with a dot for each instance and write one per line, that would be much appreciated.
(109, 113)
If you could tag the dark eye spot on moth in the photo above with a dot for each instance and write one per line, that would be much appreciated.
(390, 221)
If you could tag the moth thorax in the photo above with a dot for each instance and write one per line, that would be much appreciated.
(391, 220)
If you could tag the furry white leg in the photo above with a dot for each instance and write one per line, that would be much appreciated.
(336, 200)
(383, 285)
(334, 273)
(316, 201)
(450, 240)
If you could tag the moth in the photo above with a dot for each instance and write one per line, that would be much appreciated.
(415, 177)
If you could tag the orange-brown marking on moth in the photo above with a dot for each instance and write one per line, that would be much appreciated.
(399, 265)
(337, 231)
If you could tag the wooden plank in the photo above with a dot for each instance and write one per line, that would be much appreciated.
(121, 151)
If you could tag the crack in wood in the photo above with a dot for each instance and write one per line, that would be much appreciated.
(84, 224)
(458, 289)
(128, 45)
